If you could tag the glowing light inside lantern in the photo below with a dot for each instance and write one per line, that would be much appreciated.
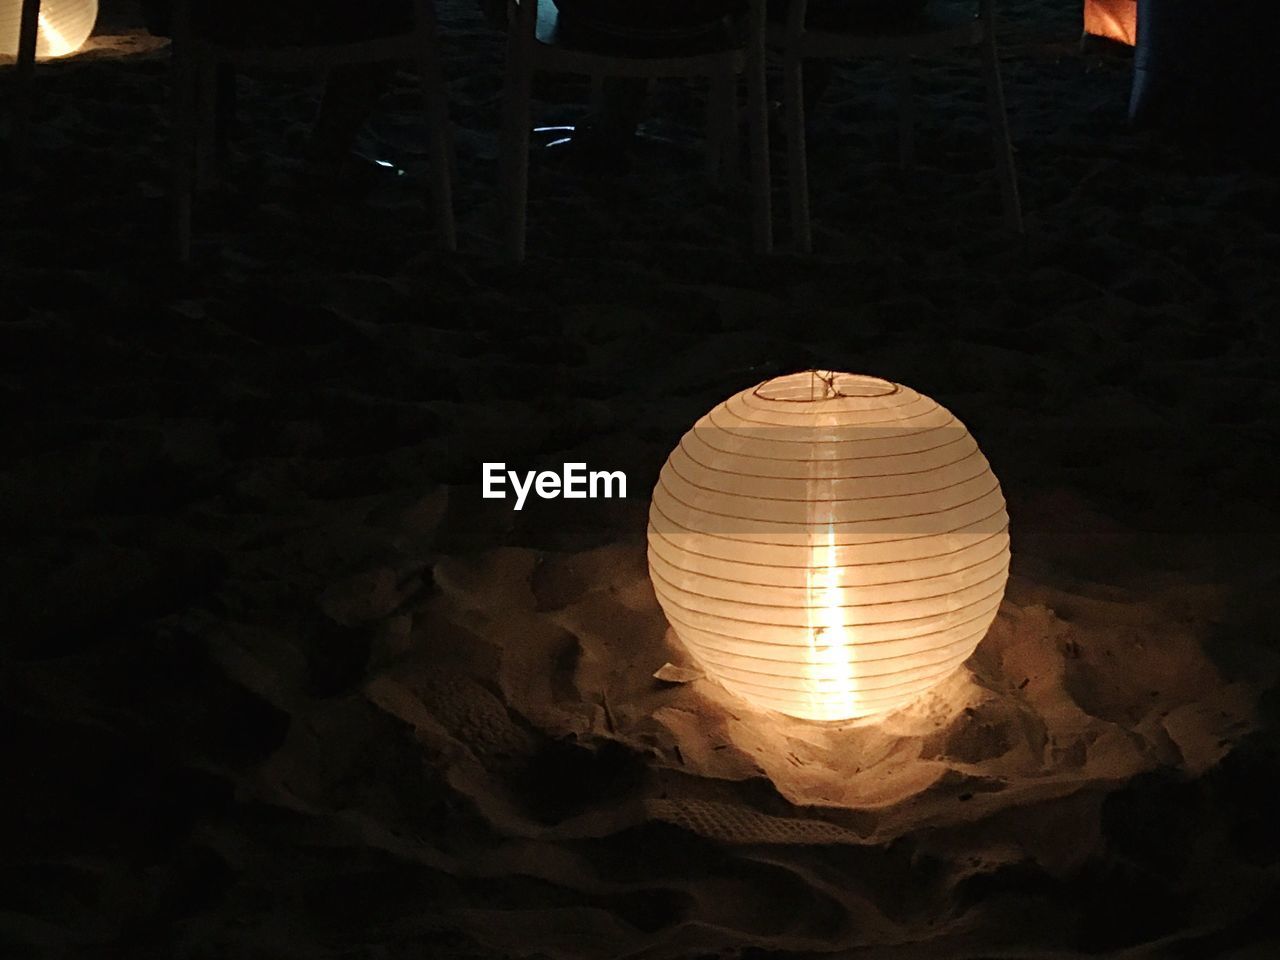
(827, 545)
(63, 26)
(831, 654)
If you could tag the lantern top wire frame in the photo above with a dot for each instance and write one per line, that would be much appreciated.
(828, 545)
(824, 385)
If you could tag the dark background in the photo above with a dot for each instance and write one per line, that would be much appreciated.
(192, 454)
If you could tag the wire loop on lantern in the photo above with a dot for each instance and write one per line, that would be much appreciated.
(791, 389)
(828, 545)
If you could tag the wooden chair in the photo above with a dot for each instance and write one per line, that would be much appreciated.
(536, 42)
(195, 65)
(937, 30)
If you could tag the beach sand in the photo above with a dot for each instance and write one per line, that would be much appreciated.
(277, 682)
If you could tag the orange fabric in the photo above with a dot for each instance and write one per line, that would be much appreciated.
(1114, 19)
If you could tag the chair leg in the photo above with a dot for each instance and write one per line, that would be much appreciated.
(597, 94)
(1005, 169)
(797, 153)
(23, 86)
(720, 114)
(225, 105)
(182, 134)
(514, 160)
(733, 130)
(906, 116)
(206, 107)
(440, 154)
(758, 109)
(439, 150)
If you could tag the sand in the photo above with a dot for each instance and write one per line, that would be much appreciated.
(277, 682)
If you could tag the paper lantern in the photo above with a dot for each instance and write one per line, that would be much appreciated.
(1114, 19)
(828, 545)
(64, 26)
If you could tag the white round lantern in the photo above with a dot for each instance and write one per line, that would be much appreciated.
(828, 545)
(64, 26)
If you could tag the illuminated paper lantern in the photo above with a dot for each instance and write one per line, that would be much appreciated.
(828, 545)
(64, 26)
(1114, 19)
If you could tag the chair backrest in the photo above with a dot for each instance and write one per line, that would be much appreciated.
(184, 29)
(798, 12)
(523, 16)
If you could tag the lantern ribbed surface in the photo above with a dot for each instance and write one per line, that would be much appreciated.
(828, 545)
(64, 26)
